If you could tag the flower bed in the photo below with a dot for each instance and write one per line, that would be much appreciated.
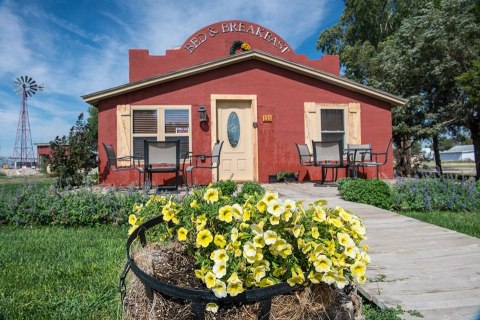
(261, 242)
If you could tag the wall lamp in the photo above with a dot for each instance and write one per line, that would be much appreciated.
(202, 114)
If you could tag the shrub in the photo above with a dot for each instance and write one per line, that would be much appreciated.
(228, 187)
(433, 194)
(82, 207)
(374, 192)
(250, 188)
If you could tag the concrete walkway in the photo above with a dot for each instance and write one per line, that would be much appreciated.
(416, 265)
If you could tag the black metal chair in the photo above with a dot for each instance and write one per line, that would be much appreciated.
(304, 155)
(162, 157)
(134, 162)
(356, 152)
(329, 155)
(201, 161)
(371, 159)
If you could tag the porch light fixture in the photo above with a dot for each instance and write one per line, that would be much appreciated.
(202, 114)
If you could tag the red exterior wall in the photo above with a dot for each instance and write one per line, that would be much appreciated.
(281, 93)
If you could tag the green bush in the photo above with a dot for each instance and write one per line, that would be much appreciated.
(228, 187)
(374, 192)
(249, 188)
(82, 207)
(436, 194)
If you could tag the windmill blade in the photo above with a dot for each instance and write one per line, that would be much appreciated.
(34, 87)
(33, 83)
(30, 80)
(23, 79)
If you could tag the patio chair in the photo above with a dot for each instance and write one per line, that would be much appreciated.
(329, 155)
(355, 152)
(201, 161)
(162, 157)
(304, 155)
(371, 159)
(112, 162)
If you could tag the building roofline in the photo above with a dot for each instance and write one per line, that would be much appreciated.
(96, 97)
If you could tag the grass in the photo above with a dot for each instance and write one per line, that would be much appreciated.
(371, 312)
(60, 273)
(11, 183)
(463, 222)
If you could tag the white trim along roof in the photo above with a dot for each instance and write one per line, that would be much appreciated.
(96, 97)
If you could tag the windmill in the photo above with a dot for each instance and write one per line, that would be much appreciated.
(23, 150)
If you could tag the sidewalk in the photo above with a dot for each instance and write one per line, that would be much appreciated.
(419, 266)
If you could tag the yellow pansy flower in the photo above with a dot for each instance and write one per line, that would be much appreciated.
(194, 205)
(270, 197)
(274, 220)
(322, 264)
(257, 229)
(270, 237)
(297, 277)
(337, 223)
(258, 241)
(246, 215)
(341, 282)
(287, 251)
(132, 219)
(279, 271)
(344, 215)
(211, 195)
(266, 282)
(219, 269)
(249, 249)
(315, 233)
(298, 230)
(361, 279)
(238, 253)
(235, 288)
(344, 239)
(237, 212)
(219, 241)
(225, 214)
(182, 234)
(319, 214)
(290, 205)
(276, 209)
(365, 257)
(200, 222)
(212, 307)
(210, 279)
(244, 226)
(315, 277)
(137, 207)
(261, 206)
(234, 234)
(259, 273)
(204, 238)
(219, 255)
(358, 269)
(329, 277)
(220, 289)
(351, 251)
(287, 215)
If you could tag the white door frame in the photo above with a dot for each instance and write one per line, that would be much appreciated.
(214, 98)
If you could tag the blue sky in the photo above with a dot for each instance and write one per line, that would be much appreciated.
(79, 47)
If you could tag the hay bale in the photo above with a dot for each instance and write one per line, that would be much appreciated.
(170, 263)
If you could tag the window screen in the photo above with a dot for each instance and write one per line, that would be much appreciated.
(138, 145)
(184, 146)
(332, 124)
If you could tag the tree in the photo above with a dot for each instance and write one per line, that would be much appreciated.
(72, 157)
(417, 55)
(470, 84)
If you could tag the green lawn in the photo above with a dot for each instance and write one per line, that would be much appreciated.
(61, 273)
(11, 183)
(463, 222)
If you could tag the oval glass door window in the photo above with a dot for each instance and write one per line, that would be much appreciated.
(233, 129)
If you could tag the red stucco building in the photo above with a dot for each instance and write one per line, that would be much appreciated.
(276, 97)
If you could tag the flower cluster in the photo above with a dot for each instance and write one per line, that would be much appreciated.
(239, 45)
(262, 241)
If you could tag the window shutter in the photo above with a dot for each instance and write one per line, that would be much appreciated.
(123, 133)
(311, 126)
(354, 124)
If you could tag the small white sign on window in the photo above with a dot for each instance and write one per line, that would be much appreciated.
(181, 130)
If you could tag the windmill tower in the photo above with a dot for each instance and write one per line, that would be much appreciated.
(23, 151)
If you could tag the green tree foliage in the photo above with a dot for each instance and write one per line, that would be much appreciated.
(73, 156)
(414, 49)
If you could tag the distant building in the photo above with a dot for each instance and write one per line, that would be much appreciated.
(43, 152)
(458, 153)
(6, 163)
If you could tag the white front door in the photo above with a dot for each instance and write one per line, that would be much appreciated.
(235, 128)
